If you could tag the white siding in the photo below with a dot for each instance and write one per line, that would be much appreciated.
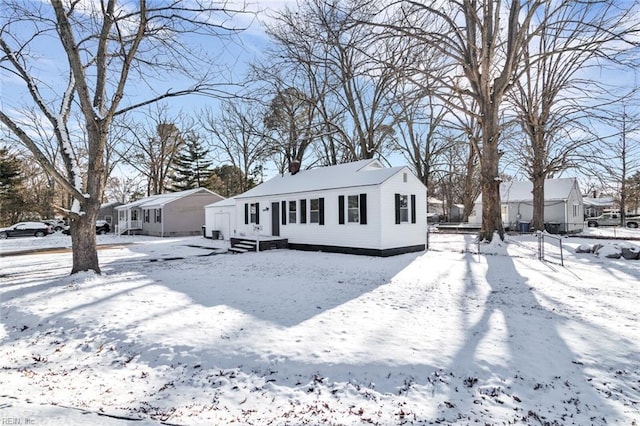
(331, 233)
(405, 233)
(379, 185)
(221, 219)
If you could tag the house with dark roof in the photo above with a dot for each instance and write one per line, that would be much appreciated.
(360, 207)
(166, 215)
(563, 207)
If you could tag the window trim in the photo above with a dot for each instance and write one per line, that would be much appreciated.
(294, 211)
(353, 209)
(316, 211)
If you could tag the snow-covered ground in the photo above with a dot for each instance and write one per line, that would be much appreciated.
(174, 333)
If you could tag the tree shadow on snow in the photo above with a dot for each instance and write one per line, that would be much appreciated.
(514, 358)
(282, 287)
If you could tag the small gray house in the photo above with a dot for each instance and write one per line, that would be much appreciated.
(109, 214)
(361, 207)
(563, 208)
(166, 215)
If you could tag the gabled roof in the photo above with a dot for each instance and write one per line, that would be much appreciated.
(357, 173)
(111, 204)
(223, 203)
(155, 201)
(597, 202)
(554, 189)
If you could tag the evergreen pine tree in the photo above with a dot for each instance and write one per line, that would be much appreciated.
(12, 192)
(191, 167)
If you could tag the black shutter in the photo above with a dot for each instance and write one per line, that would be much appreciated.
(363, 209)
(413, 208)
(341, 209)
(303, 211)
(321, 211)
(397, 197)
(284, 212)
(257, 213)
(246, 213)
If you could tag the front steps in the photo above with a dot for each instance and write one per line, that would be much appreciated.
(243, 245)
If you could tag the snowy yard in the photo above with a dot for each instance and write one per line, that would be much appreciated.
(174, 333)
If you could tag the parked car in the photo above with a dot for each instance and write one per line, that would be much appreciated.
(26, 229)
(613, 219)
(56, 224)
(102, 227)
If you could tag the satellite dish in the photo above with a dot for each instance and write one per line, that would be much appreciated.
(294, 167)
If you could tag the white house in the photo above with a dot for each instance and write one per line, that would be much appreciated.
(360, 207)
(563, 209)
(167, 215)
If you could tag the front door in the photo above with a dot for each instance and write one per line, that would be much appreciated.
(275, 219)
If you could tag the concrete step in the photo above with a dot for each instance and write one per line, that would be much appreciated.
(248, 242)
(237, 250)
(246, 246)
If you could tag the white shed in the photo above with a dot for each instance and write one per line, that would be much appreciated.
(360, 207)
(220, 219)
(563, 208)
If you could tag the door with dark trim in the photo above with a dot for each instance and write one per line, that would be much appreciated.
(275, 219)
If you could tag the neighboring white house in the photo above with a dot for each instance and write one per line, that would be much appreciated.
(563, 208)
(167, 215)
(360, 207)
(596, 206)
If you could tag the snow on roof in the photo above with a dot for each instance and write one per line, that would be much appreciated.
(223, 203)
(155, 201)
(110, 204)
(357, 173)
(597, 202)
(554, 189)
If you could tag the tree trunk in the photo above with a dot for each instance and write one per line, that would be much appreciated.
(83, 241)
(83, 231)
(538, 201)
(490, 177)
(468, 198)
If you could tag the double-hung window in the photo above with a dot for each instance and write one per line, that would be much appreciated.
(293, 211)
(253, 209)
(353, 209)
(314, 210)
(404, 208)
(252, 213)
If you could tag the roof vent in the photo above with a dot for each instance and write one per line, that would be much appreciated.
(294, 167)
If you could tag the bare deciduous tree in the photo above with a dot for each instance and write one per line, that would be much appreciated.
(105, 45)
(345, 69)
(552, 96)
(153, 145)
(484, 41)
(237, 137)
(616, 157)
